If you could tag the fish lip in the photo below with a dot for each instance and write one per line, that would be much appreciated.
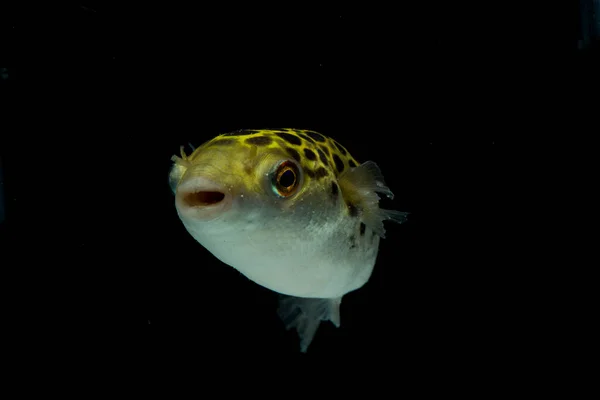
(205, 211)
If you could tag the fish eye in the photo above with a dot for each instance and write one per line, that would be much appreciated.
(286, 179)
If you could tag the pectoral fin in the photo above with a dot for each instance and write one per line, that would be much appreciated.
(360, 186)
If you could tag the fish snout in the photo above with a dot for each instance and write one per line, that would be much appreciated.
(199, 197)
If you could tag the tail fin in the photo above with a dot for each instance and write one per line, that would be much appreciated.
(305, 314)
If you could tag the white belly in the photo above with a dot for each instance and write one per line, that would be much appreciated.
(293, 266)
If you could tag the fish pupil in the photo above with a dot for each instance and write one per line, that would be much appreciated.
(287, 179)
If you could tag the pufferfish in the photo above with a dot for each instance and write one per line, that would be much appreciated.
(291, 210)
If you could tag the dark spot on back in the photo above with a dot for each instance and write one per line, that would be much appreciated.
(309, 172)
(317, 136)
(325, 149)
(223, 142)
(288, 137)
(363, 227)
(310, 154)
(293, 153)
(320, 172)
(352, 164)
(334, 189)
(259, 140)
(308, 138)
(339, 164)
(352, 210)
(340, 148)
(323, 157)
(241, 132)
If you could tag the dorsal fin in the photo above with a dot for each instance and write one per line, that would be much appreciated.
(360, 186)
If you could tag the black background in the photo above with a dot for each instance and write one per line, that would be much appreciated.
(439, 95)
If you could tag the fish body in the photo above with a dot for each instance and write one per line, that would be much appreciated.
(292, 210)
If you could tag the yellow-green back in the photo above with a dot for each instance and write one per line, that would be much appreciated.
(318, 155)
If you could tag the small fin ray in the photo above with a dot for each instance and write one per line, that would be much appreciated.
(306, 314)
(396, 216)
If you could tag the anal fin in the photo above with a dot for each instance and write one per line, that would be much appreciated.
(306, 314)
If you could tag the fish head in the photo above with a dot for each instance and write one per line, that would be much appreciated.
(237, 192)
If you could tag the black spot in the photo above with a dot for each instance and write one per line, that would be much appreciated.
(308, 138)
(352, 210)
(340, 148)
(363, 227)
(259, 140)
(323, 157)
(352, 164)
(317, 136)
(334, 189)
(309, 172)
(241, 132)
(293, 153)
(352, 241)
(288, 137)
(339, 164)
(310, 154)
(223, 142)
(325, 149)
(321, 172)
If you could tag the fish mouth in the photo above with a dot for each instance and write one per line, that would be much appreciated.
(201, 198)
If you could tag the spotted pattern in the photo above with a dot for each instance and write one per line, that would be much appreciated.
(339, 164)
(306, 147)
(290, 138)
(317, 136)
(259, 140)
(313, 149)
(352, 210)
(340, 148)
(321, 172)
(321, 158)
(294, 154)
(334, 189)
(318, 174)
(310, 154)
(364, 237)
(308, 138)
